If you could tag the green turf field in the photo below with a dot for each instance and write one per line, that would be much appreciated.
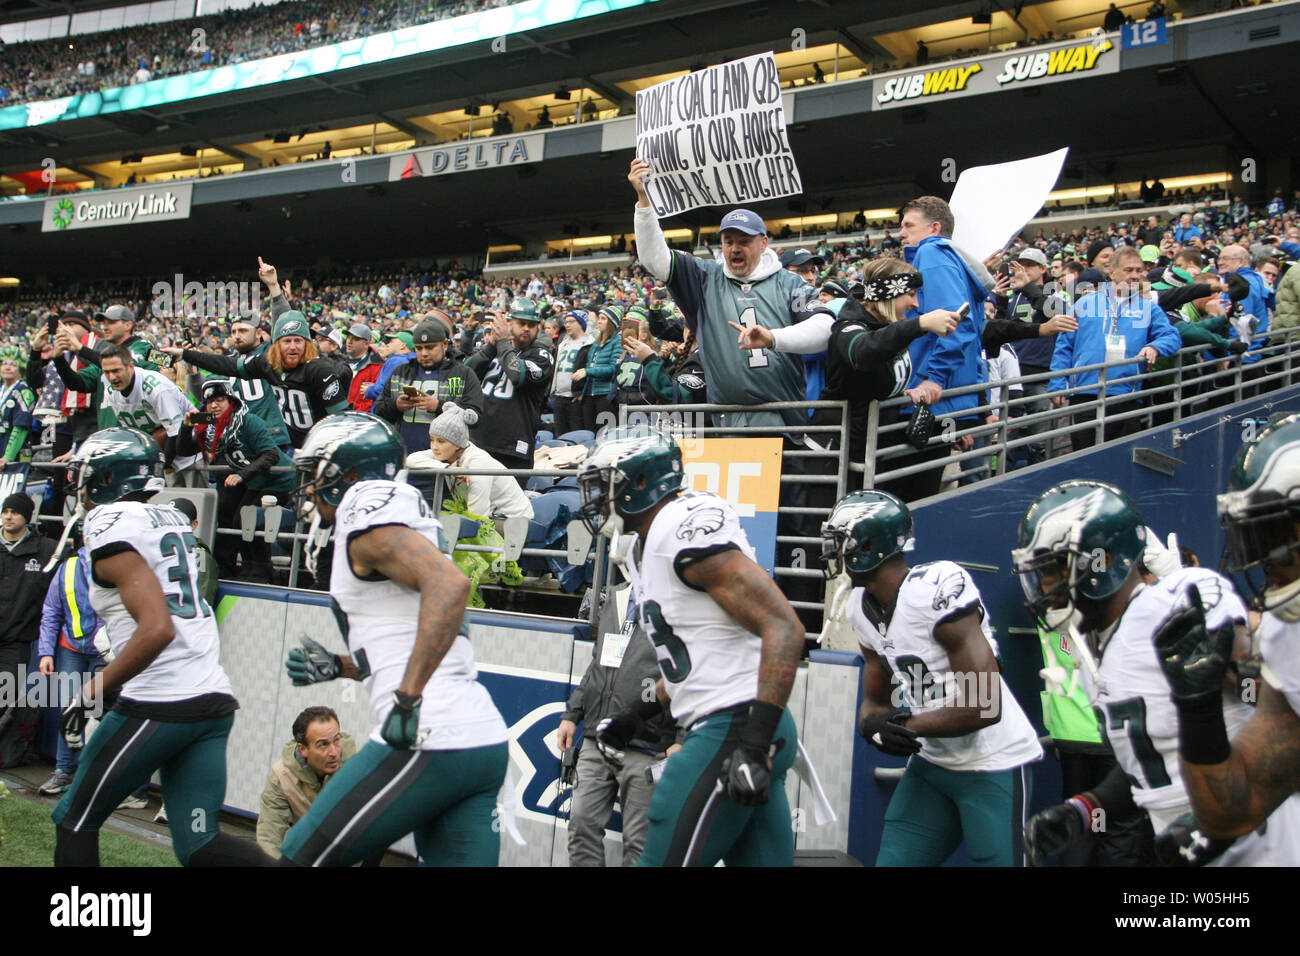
(29, 839)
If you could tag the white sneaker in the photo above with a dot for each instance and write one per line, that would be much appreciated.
(161, 815)
(132, 802)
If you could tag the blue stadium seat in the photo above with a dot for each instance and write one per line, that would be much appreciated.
(539, 483)
(579, 437)
(544, 436)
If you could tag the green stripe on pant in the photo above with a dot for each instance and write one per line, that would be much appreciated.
(446, 798)
(123, 753)
(694, 823)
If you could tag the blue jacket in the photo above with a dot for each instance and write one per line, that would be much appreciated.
(1257, 304)
(380, 385)
(953, 361)
(1183, 233)
(77, 621)
(1140, 321)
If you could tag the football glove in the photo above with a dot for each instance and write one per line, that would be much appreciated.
(1237, 346)
(72, 723)
(1050, 831)
(746, 777)
(1193, 657)
(401, 727)
(613, 734)
(311, 663)
(1183, 844)
(887, 734)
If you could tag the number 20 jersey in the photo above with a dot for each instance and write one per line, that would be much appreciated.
(708, 661)
(189, 666)
(1140, 723)
(923, 678)
(379, 617)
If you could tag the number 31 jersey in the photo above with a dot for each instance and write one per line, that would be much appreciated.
(708, 661)
(189, 666)
(379, 617)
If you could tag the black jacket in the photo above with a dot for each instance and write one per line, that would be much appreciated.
(23, 583)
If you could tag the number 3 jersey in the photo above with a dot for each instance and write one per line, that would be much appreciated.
(1139, 721)
(189, 666)
(708, 661)
(923, 678)
(379, 617)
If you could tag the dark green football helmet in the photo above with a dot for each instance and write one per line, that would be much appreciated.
(341, 450)
(116, 462)
(629, 471)
(524, 309)
(864, 530)
(1079, 539)
(1259, 512)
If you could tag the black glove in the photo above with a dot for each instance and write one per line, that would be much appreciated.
(1050, 831)
(1183, 844)
(1237, 346)
(72, 723)
(613, 734)
(746, 776)
(312, 663)
(402, 725)
(887, 734)
(1193, 657)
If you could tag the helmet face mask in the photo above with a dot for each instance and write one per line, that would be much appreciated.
(1080, 541)
(339, 451)
(629, 471)
(864, 530)
(1259, 514)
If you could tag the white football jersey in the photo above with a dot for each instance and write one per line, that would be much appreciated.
(189, 666)
(153, 402)
(708, 661)
(378, 620)
(923, 677)
(1140, 723)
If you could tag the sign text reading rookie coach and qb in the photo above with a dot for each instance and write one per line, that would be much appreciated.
(993, 73)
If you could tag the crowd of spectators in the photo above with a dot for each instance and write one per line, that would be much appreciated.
(84, 63)
(473, 369)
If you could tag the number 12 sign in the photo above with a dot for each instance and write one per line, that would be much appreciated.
(1143, 33)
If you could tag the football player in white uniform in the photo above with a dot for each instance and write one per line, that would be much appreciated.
(728, 645)
(1237, 784)
(1080, 555)
(437, 757)
(932, 690)
(174, 706)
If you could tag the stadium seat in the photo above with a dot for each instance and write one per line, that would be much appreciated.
(578, 437)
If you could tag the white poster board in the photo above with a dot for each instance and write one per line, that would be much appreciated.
(991, 204)
(716, 137)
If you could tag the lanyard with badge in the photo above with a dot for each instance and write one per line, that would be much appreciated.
(1116, 343)
(615, 645)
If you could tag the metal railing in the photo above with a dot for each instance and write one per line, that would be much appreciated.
(1191, 385)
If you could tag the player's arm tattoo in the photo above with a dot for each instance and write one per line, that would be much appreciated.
(1263, 769)
(743, 589)
(143, 598)
(410, 559)
(974, 700)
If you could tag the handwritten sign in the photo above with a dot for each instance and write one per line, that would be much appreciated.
(716, 137)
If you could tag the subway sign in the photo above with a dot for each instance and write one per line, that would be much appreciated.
(992, 73)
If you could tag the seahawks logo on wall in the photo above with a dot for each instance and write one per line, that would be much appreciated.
(703, 523)
(370, 500)
(950, 588)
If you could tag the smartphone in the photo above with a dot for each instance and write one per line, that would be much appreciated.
(631, 328)
(410, 391)
(160, 358)
(203, 418)
(52, 326)
(964, 310)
